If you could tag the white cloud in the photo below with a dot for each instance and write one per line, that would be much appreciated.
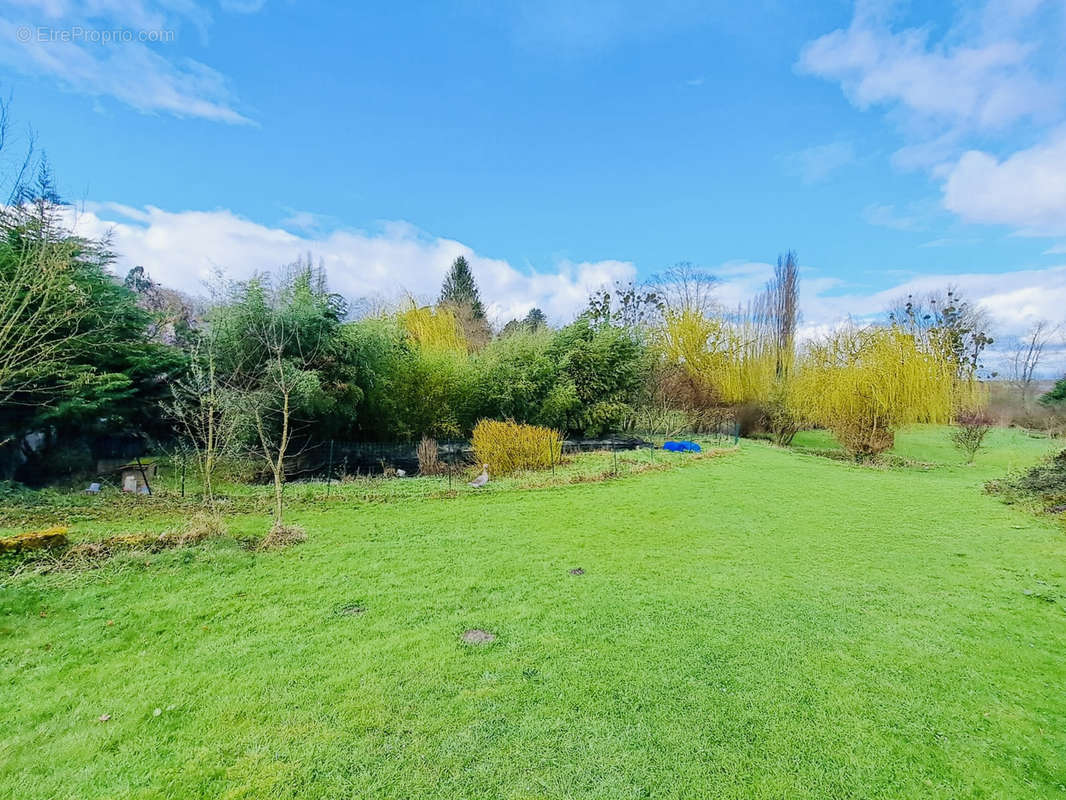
(38, 38)
(740, 281)
(184, 249)
(997, 67)
(1027, 190)
(140, 14)
(949, 241)
(976, 84)
(815, 164)
(885, 215)
(308, 222)
(1014, 301)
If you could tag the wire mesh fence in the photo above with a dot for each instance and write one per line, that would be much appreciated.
(334, 459)
(347, 470)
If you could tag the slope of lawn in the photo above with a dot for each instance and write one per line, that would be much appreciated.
(762, 624)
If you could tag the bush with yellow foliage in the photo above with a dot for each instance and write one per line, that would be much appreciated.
(737, 362)
(433, 328)
(864, 383)
(510, 446)
(729, 357)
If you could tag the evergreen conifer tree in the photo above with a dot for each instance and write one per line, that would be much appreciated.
(460, 290)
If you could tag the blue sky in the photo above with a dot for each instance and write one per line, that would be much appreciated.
(894, 145)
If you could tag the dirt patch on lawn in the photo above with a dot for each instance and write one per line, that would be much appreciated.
(283, 536)
(478, 636)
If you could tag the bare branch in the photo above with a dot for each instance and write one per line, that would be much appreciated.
(1025, 356)
(686, 287)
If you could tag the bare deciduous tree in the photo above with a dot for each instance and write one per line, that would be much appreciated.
(204, 413)
(173, 314)
(39, 314)
(271, 408)
(945, 319)
(628, 305)
(47, 312)
(266, 390)
(1023, 360)
(686, 287)
(775, 314)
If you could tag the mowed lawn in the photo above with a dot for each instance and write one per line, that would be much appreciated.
(765, 624)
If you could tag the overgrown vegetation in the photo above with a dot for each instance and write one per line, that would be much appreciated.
(77, 356)
(429, 461)
(1043, 484)
(273, 363)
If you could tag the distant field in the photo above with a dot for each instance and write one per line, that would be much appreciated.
(763, 624)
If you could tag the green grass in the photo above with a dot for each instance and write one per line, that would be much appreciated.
(762, 624)
(114, 512)
(1004, 448)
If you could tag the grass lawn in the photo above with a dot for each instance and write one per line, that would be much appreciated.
(761, 624)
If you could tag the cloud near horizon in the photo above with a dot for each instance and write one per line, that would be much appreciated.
(186, 249)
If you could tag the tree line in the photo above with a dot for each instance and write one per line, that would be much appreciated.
(262, 366)
(266, 363)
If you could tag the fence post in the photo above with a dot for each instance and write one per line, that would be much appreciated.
(183, 475)
(329, 469)
(144, 475)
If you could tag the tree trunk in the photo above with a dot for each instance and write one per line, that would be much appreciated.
(279, 467)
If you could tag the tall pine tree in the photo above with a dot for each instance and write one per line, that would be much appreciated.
(535, 319)
(459, 289)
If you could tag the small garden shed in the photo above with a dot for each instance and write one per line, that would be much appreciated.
(136, 478)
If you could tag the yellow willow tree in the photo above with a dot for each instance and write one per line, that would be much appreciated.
(432, 382)
(863, 384)
(746, 358)
(435, 329)
(969, 395)
(730, 358)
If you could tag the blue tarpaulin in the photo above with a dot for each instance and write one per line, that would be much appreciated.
(682, 447)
